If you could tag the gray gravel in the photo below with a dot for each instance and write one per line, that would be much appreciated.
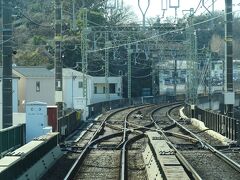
(210, 166)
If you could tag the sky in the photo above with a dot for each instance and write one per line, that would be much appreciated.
(155, 8)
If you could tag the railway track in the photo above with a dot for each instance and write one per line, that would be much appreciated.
(104, 156)
(122, 138)
(208, 162)
(145, 142)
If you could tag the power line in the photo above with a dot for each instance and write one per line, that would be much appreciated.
(7, 40)
(197, 7)
(155, 36)
(34, 22)
(140, 77)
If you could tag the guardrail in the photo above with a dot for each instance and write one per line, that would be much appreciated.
(12, 138)
(227, 126)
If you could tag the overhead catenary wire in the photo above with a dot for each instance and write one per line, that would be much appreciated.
(6, 40)
(155, 36)
(208, 7)
(146, 39)
(197, 7)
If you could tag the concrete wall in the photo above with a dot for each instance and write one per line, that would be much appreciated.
(19, 118)
(21, 94)
(71, 90)
(73, 95)
(15, 95)
(28, 93)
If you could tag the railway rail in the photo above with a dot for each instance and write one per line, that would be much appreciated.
(147, 142)
(207, 161)
(132, 128)
(111, 138)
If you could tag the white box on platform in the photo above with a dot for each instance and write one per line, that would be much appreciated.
(36, 119)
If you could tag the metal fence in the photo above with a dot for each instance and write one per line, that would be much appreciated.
(12, 138)
(222, 124)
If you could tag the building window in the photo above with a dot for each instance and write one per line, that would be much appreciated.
(95, 89)
(80, 84)
(38, 86)
(112, 88)
(100, 88)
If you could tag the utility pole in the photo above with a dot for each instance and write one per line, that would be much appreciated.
(155, 69)
(74, 26)
(129, 53)
(210, 79)
(84, 53)
(58, 57)
(229, 96)
(153, 78)
(175, 77)
(195, 78)
(153, 73)
(213, 6)
(192, 78)
(107, 45)
(7, 63)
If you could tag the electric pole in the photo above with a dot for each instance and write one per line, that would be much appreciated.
(58, 57)
(84, 54)
(175, 77)
(107, 45)
(192, 78)
(129, 53)
(74, 26)
(7, 63)
(229, 96)
(210, 79)
(155, 74)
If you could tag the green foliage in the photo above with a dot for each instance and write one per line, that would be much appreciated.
(71, 51)
(34, 37)
(39, 57)
(95, 18)
(207, 25)
(39, 40)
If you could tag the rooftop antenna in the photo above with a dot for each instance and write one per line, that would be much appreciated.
(144, 12)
